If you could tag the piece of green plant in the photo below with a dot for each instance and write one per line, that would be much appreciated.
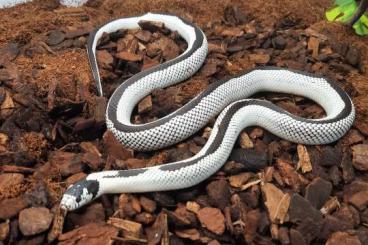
(347, 11)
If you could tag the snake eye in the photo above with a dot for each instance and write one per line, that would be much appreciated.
(78, 199)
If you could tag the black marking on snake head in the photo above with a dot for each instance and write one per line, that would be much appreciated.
(127, 173)
(76, 190)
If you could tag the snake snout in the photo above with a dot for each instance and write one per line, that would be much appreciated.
(68, 202)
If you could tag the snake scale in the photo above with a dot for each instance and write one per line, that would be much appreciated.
(226, 98)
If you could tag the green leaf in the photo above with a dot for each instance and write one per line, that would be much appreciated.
(344, 11)
(343, 2)
(364, 20)
(348, 11)
(361, 26)
(332, 14)
(360, 29)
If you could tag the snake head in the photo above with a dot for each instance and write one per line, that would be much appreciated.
(79, 194)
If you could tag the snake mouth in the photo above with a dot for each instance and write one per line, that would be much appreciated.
(68, 203)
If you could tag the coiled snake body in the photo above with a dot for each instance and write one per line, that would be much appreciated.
(225, 97)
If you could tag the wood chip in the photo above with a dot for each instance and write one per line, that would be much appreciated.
(304, 161)
(123, 200)
(7, 106)
(276, 201)
(3, 138)
(128, 227)
(158, 231)
(8, 53)
(343, 238)
(74, 178)
(67, 163)
(10, 207)
(251, 220)
(259, 59)
(136, 204)
(360, 157)
(244, 141)
(129, 240)
(152, 26)
(150, 62)
(214, 242)
(239, 180)
(193, 207)
(4, 230)
(359, 199)
(232, 32)
(313, 44)
(191, 234)
(147, 204)
(330, 206)
(290, 176)
(268, 174)
(16, 169)
(145, 105)
(90, 148)
(214, 48)
(114, 148)
(274, 229)
(212, 219)
(250, 184)
(124, 55)
(228, 221)
(145, 218)
(104, 59)
(93, 233)
(72, 32)
(57, 225)
(143, 35)
(51, 94)
(313, 33)
(209, 69)
(256, 133)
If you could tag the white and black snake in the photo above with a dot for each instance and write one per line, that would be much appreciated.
(227, 97)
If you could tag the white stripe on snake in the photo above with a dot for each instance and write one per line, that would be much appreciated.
(226, 98)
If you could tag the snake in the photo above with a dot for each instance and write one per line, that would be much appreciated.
(228, 99)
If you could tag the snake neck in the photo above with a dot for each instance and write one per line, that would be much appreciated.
(119, 181)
